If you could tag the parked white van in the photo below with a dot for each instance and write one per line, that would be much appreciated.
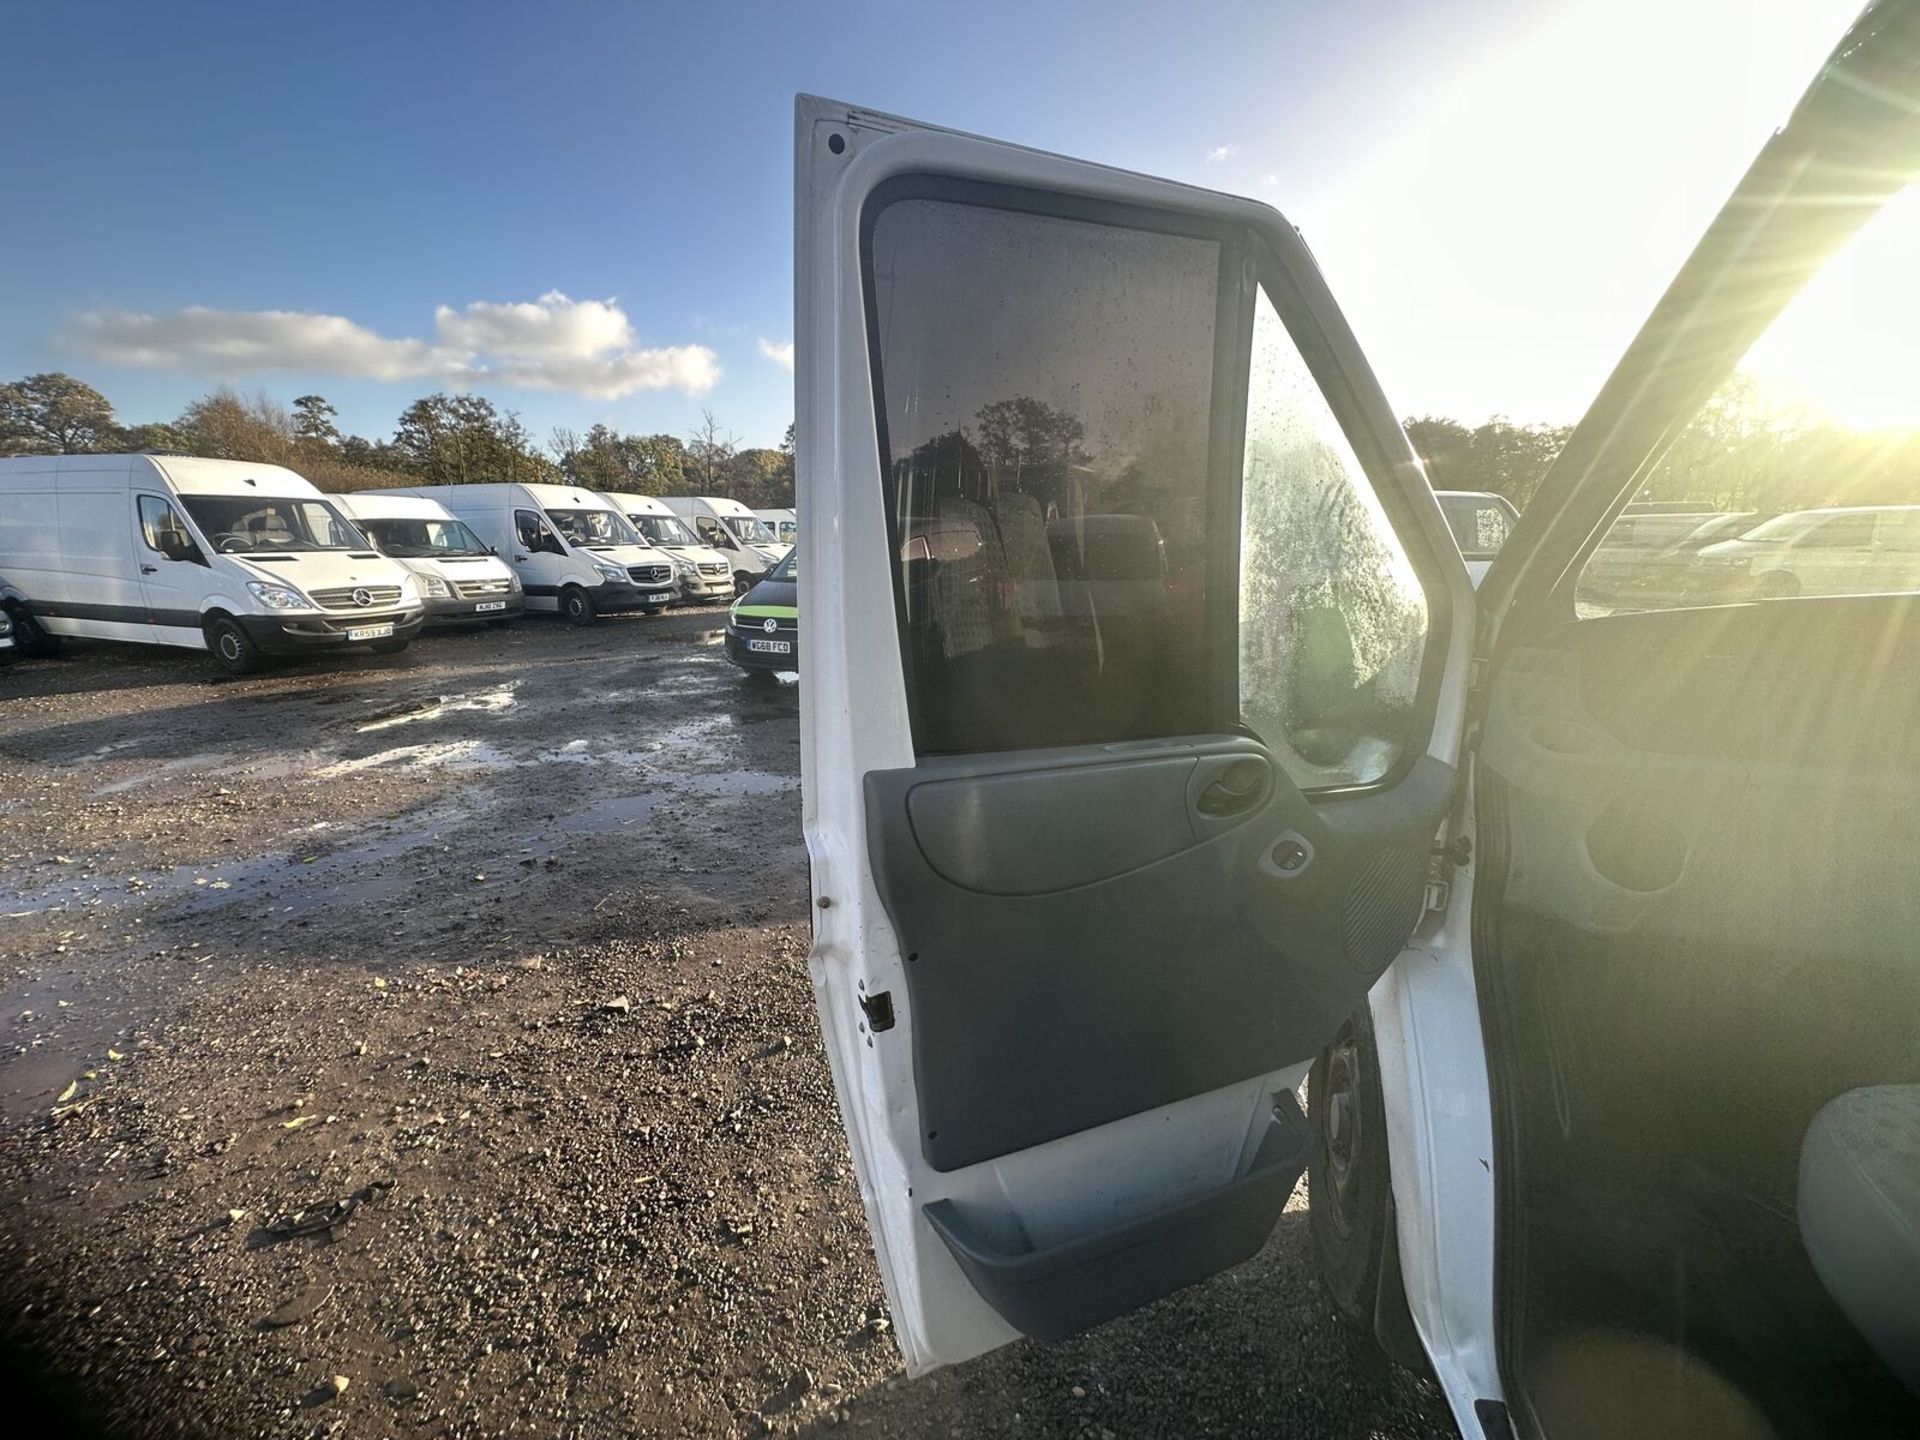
(460, 576)
(705, 574)
(246, 561)
(734, 530)
(784, 524)
(574, 553)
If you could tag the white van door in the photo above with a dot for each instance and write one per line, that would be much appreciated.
(173, 569)
(539, 558)
(1093, 885)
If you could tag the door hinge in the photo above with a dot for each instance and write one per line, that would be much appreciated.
(878, 1010)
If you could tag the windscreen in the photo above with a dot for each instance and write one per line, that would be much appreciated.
(594, 527)
(752, 530)
(423, 539)
(258, 524)
(665, 529)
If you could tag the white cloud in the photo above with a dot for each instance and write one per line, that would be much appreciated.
(780, 352)
(553, 343)
(1220, 154)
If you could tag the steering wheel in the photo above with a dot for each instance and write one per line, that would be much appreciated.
(231, 544)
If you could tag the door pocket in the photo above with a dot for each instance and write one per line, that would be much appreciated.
(1056, 1291)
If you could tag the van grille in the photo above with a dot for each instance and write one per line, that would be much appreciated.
(480, 589)
(714, 567)
(650, 574)
(342, 598)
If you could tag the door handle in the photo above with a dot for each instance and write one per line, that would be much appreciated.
(519, 559)
(1241, 786)
(149, 569)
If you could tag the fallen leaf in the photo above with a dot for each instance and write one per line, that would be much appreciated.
(68, 1093)
(298, 1121)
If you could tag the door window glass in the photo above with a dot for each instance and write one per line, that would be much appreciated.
(1333, 620)
(533, 532)
(714, 533)
(1801, 474)
(162, 528)
(1046, 398)
(1479, 523)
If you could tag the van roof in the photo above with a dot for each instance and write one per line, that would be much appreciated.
(719, 503)
(636, 504)
(364, 506)
(189, 474)
(568, 497)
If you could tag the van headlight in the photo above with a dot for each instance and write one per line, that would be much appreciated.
(278, 597)
(513, 583)
(434, 587)
(610, 572)
(409, 587)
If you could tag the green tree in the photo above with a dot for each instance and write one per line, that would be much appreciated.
(604, 459)
(54, 414)
(157, 438)
(761, 478)
(463, 440)
(226, 425)
(313, 423)
(1499, 456)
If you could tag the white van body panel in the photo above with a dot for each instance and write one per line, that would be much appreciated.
(71, 542)
(616, 577)
(709, 515)
(711, 574)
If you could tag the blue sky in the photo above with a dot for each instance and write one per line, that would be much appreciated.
(583, 210)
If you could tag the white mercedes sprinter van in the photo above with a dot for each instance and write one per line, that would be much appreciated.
(733, 530)
(246, 561)
(705, 574)
(574, 553)
(460, 576)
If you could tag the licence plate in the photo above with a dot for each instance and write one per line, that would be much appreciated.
(771, 647)
(489, 605)
(663, 598)
(370, 632)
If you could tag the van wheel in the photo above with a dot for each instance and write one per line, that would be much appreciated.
(391, 647)
(31, 638)
(742, 582)
(576, 606)
(232, 647)
(1347, 1177)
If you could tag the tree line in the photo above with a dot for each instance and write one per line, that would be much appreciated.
(1742, 452)
(439, 439)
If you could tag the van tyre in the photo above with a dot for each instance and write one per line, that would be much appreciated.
(576, 606)
(31, 638)
(233, 649)
(1347, 1177)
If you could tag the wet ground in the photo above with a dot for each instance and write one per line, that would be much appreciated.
(424, 1046)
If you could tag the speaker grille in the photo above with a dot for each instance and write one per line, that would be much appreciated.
(1383, 906)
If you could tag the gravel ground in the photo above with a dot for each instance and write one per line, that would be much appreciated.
(424, 1046)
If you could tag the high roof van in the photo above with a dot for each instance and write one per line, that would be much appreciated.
(732, 529)
(705, 574)
(575, 554)
(245, 561)
(460, 576)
